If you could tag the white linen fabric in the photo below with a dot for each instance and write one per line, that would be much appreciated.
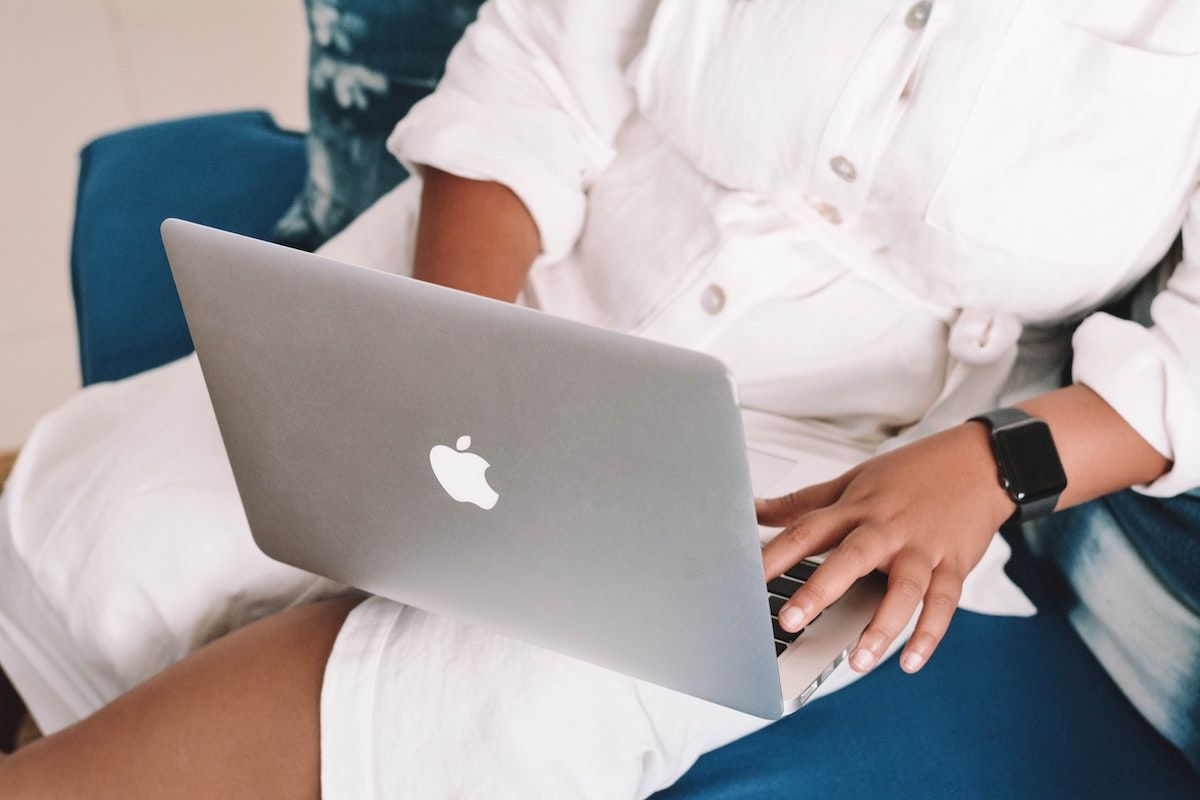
(845, 202)
(1006, 163)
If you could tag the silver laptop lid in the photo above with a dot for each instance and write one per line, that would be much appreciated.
(614, 524)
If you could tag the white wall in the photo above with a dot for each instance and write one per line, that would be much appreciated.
(74, 69)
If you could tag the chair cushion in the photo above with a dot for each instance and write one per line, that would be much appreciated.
(233, 171)
(369, 62)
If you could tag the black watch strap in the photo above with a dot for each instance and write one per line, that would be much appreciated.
(998, 421)
(1034, 509)
(1002, 418)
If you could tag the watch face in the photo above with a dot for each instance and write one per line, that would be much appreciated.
(1029, 459)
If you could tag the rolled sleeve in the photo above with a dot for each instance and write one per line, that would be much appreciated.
(1151, 376)
(532, 98)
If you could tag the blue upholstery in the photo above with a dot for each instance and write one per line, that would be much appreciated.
(1007, 708)
(1013, 708)
(233, 171)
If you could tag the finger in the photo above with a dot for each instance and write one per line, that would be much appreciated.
(859, 553)
(941, 601)
(776, 512)
(814, 532)
(908, 580)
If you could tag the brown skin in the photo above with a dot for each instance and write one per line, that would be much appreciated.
(924, 513)
(239, 718)
(235, 719)
(473, 235)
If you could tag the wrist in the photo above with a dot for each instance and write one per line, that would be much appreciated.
(1027, 461)
(979, 461)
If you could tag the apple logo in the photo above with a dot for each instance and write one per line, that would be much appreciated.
(461, 474)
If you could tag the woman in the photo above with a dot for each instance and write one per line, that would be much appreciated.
(880, 215)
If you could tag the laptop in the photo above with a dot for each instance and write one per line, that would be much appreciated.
(582, 490)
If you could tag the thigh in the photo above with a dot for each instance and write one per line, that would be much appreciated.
(236, 719)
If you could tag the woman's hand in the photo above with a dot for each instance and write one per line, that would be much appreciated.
(923, 513)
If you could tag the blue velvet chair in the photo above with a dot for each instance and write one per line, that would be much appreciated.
(1009, 708)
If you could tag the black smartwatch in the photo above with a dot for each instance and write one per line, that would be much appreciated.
(1030, 470)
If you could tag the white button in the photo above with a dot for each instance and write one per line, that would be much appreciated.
(918, 15)
(830, 213)
(843, 169)
(981, 337)
(712, 299)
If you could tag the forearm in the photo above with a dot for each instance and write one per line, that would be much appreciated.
(1101, 453)
(476, 236)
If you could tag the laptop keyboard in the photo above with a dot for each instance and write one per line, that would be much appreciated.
(780, 590)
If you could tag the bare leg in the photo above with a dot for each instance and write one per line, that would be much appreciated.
(236, 719)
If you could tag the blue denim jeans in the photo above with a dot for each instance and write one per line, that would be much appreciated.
(1136, 612)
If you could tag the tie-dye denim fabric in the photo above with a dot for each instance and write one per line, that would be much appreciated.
(369, 62)
(1140, 619)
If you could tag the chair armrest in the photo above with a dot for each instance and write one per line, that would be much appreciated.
(235, 171)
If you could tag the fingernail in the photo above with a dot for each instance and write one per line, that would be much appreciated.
(791, 618)
(862, 659)
(911, 662)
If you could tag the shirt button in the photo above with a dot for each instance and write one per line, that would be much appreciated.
(712, 299)
(843, 169)
(830, 213)
(918, 15)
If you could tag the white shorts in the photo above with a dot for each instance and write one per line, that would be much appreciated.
(417, 705)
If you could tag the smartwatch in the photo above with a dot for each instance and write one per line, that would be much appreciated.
(1030, 469)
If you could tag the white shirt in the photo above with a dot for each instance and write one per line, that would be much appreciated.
(995, 165)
